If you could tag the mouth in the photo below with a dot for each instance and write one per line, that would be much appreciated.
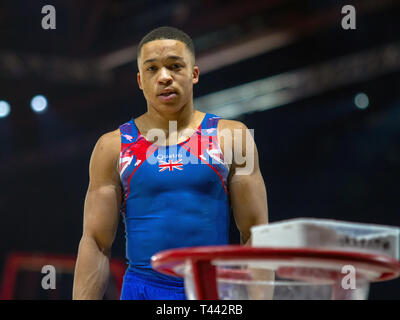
(169, 95)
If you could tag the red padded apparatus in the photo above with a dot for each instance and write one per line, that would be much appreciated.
(374, 267)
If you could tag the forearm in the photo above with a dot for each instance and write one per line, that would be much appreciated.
(246, 241)
(91, 271)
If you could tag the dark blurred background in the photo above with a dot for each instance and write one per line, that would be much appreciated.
(324, 104)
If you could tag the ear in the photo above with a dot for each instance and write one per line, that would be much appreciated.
(139, 81)
(195, 74)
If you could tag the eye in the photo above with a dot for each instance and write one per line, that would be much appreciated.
(151, 68)
(176, 66)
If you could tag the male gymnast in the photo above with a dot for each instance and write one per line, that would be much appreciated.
(166, 202)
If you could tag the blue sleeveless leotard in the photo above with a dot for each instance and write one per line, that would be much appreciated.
(173, 197)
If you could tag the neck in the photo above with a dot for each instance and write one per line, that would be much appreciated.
(161, 120)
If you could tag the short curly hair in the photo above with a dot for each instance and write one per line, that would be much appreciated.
(167, 33)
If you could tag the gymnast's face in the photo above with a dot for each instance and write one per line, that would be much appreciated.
(167, 74)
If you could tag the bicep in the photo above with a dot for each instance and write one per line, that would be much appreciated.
(248, 201)
(101, 215)
(103, 198)
(246, 184)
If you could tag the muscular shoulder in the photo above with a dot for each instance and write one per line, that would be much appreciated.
(234, 130)
(232, 138)
(105, 155)
(242, 149)
(110, 141)
(230, 124)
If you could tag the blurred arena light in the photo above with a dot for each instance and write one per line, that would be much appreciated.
(39, 103)
(241, 51)
(4, 109)
(361, 101)
(219, 48)
(285, 88)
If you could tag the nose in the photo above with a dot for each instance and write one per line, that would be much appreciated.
(165, 77)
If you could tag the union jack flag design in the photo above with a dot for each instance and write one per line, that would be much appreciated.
(171, 165)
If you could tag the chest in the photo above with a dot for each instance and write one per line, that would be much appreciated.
(195, 165)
